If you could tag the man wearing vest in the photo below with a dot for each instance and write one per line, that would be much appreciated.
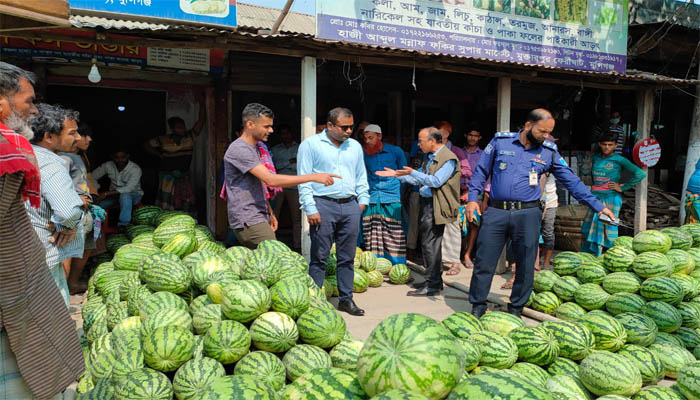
(439, 203)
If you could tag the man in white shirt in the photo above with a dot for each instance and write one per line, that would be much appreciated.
(125, 183)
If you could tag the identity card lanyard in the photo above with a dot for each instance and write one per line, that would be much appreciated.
(533, 174)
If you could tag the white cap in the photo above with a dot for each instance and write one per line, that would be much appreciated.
(373, 128)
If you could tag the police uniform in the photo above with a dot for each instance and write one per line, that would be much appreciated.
(515, 210)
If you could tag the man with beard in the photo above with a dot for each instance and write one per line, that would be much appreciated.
(39, 349)
(334, 211)
(249, 212)
(124, 185)
(515, 162)
(382, 227)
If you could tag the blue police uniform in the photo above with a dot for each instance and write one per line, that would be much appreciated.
(514, 210)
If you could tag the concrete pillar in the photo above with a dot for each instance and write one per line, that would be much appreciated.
(693, 148)
(645, 114)
(503, 125)
(308, 129)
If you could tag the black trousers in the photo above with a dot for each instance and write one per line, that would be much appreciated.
(431, 243)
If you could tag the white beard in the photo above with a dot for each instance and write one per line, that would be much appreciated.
(19, 125)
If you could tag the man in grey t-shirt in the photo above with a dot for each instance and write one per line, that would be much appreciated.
(249, 212)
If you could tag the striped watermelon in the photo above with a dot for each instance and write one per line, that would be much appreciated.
(546, 302)
(245, 300)
(273, 247)
(169, 214)
(591, 296)
(345, 354)
(532, 371)
(165, 272)
(399, 274)
(293, 260)
(218, 282)
(565, 287)
(202, 233)
(497, 350)
(544, 280)
(605, 373)
(145, 215)
(695, 253)
(116, 241)
(167, 348)
(666, 317)
(166, 317)
(622, 302)
(623, 241)
(650, 366)
(129, 256)
(674, 358)
(181, 244)
(651, 240)
(563, 366)
(618, 259)
(375, 278)
(662, 288)
(398, 394)
(535, 345)
(144, 384)
(205, 264)
(681, 261)
(608, 332)
(652, 264)
(238, 387)
(575, 340)
(689, 337)
(237, 256)
(130, 281)
(360, 281)
(383, 265)
(618, 282)
(210, 245)
(304, 358)
(331, 264)
(657, 393)
(498, 385)
(321, 326)
(641, 330)
(368, 261)
(263, 366)
(462, 324)
(694, 231)
(664, 338)
(569, 311)
(472, 354)
(206, 316)
(567, 384)
(690, 315)
(689, 381)
(413, 352)
(324, 384)
(688, 284)
(263, 266)
(275, 332)
(193, 377)
(227, 342)
(591, 272)
(165, 232)
(143, 238)
(159, 301)
(566, 263)
(680, 239)
(501, 322)
(330, 286)
(290, 296)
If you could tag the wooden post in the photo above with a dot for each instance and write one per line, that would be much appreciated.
(308, 129)
(645, 114)
(503, 125)
(693, 148)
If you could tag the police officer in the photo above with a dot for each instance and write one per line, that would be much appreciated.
(515, 162)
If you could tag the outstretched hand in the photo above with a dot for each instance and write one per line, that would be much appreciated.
(326, 179)
(394, 173)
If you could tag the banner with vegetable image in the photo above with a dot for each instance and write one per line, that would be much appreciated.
(588, 35)
(207, 12)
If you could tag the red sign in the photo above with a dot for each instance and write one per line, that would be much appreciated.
(647, 152)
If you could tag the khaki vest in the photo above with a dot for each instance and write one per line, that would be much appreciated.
(446, 197)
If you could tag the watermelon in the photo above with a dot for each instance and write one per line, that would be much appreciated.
(227, 342)
(472, 354)
(413, 352)
(143, 238)
(165, 232)
(657, 393)
(641, 330)
(623, 241)
(618, 259)
(565, 287)
(680, 238)
(145, 215)
(236, 256)
(462, 324)
(608, 332)
(263, 266)
(167, 348)
(567, 384)
(324, 384)
(166, 317)
(321, 326)
(205, 317)
(662, 288)
(651, 240)
(383, 266)
(159, 301)
(368, 261)
(501, 322)
(274, 332)
(399, 274)
(129, 256)
(133, 231)
(618, 282)
(688, 284)
(497, 350)
(536, 345)
(544, 280)
(651, 264)
(622, 302)
(695, 253)
(666, 317)
(605, 373)
(690, 315)
(289, 296)
(173, 217)
(204, 265)
(293, 260)
(650, 366)
(375, 278)
(345, 354)
(689, 337)
(263, 366)
(591, 272)
(181, 244)
(331, 264)
(664, 338)
(238, 387)
(303, 358)
(546, 302)
(116, 241)
(532, 371)
(575, 340)
(144, 384)
(566, 263)
(681, 261)
(563, 366)
(591, 296)
(165, 272)
(498, 385)
(360, 281)
(245, 300)
(689, 381)
(569, 311)
(399, 394)
(674, 358)
(193, 377)
(274, 247)
(202, 233)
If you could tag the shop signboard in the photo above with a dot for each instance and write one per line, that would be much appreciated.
(588, 35)
(208, 12)
(647, 152)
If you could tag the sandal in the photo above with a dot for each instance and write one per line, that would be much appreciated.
(454, 270)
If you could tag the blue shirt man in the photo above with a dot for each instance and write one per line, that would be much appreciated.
(334, 211)
(515, 162)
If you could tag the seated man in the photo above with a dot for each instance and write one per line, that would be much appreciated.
(125, 183)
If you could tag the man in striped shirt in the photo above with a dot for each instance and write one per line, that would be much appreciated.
(57, 220)
(616, 128)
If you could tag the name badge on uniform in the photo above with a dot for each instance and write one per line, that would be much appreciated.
(502, 166)
(533, 177)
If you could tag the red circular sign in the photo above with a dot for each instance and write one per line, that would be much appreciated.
(647, 152)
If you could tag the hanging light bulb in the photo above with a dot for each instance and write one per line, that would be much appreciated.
(94, 75)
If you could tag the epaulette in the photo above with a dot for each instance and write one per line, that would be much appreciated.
(502, 135)
(550, 145)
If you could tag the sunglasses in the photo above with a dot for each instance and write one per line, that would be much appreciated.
(345, 127)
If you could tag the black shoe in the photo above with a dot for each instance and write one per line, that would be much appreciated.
(515, 312)
(423, 292)
(478, 312)
(350, 307)
(420, 285)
